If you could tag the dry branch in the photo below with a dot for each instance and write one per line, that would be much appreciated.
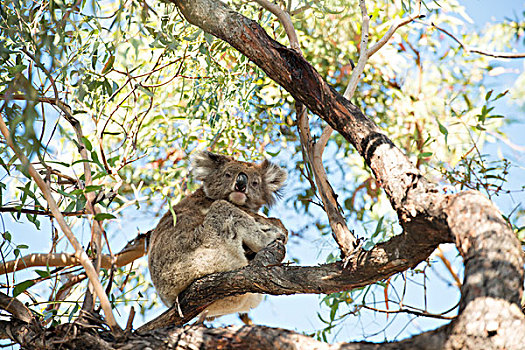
(474, 49)
(134, 250)
(313, 151)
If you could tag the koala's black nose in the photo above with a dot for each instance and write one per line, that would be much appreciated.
(240, 183)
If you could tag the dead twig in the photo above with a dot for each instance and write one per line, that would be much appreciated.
(469, 49)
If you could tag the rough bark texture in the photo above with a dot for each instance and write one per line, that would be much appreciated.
(490, 315)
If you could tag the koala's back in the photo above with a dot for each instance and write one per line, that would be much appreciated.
(183, 252)
(190, 212)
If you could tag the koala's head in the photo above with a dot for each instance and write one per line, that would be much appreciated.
(245, 184)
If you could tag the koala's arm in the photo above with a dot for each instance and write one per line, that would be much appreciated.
(250, 229)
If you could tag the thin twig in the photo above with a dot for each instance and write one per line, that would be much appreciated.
(410, 311)
(63, 291)
(469, 49)
(397, 24)
(129, 324)
(39, 212)
(366, 53)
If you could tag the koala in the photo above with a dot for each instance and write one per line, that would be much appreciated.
(216, 228)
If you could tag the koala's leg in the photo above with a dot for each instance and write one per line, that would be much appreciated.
(252, 231)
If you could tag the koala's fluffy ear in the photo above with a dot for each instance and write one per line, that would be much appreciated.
(205, 162)
(274, 176)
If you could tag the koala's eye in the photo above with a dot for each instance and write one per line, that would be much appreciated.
(255, 183)
(228, 175)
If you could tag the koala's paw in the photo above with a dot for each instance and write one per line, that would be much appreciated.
(272, 233)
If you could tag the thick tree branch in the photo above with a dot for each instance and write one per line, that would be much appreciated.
(392, 169)
(422, 210)
(15, 308)
(490, 316)
(363, 268)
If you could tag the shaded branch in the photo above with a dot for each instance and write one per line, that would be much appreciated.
(15, 308)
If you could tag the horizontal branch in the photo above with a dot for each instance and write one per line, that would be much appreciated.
(362, 268)
(132, 251)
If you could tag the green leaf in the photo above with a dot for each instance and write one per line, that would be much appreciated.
(70, 207)
(104, 216)
(500, 95)
(21, 287)
(379, 227)
(109, 65)
(43, 273)
(16, 69)
(76, 192)
(145, 90)
(7, 236)
(92, 188)
(4, 165)
(88, 145)
(487, 96)
(443, 130)
(73, 312)
(425, 154)
(81, 203)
